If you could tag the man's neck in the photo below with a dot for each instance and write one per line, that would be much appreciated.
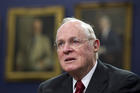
(79, 74)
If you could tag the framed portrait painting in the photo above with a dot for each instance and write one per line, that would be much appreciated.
(112, 25)
(30, 51)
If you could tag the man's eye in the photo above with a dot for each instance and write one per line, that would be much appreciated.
(60, 44)
(76, 41)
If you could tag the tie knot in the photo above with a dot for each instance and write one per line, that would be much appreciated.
(79, 87)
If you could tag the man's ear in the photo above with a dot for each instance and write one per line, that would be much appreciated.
(96, 45)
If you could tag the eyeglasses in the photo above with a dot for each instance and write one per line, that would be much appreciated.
(73, 43)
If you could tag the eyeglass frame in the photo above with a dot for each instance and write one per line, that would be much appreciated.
(77, 43)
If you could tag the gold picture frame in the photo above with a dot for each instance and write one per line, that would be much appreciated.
(119, 18)
(30, 52)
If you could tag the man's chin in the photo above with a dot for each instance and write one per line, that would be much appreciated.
(70, 70)
(67, 69)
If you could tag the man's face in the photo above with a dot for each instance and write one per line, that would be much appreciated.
(74, 55)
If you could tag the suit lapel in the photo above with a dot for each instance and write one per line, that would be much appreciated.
(98, 82)
(67, 85)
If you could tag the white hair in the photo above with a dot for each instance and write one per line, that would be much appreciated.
(87, 28)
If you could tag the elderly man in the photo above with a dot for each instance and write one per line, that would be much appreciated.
(77, 48)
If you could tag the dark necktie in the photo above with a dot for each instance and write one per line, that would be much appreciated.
(79, 87)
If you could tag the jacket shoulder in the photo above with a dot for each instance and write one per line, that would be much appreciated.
(55, 80)
(120, 79)
(114, 71)
(53, 83)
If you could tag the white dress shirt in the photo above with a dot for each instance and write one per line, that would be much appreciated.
(86, 79)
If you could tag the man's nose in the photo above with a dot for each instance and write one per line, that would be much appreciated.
(67, 49)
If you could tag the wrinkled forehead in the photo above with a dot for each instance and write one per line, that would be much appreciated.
(71, 27)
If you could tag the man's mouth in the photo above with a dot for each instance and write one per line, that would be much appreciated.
(69, 59)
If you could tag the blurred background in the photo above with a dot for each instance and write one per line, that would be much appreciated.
(30, 86)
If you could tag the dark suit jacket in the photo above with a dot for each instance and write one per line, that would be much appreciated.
(106, 79)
